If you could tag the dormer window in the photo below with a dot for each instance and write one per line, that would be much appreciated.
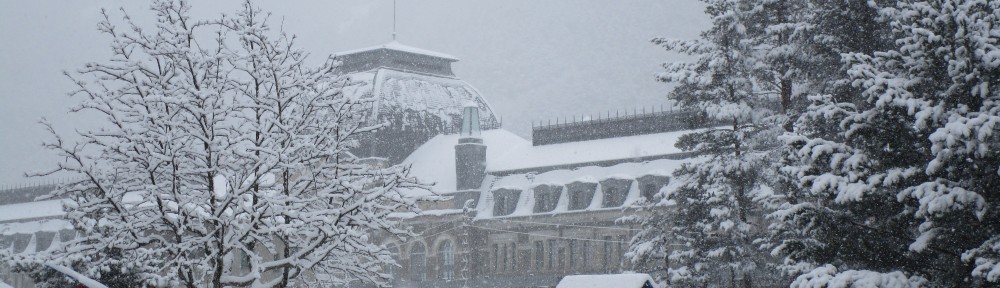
(650, 185)
(580, 194)
(614, 192)
(21, 242)
(505, 201)
(546, 197)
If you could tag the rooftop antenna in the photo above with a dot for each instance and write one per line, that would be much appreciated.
(393, 20)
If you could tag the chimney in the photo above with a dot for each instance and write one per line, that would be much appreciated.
(470, 153)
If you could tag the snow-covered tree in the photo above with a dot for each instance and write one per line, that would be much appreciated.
(225, 161)
(824, 30)
(709, 234)
(901, 178)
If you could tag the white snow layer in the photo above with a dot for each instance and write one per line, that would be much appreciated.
(52, 225)
(827, 276)
(434, 161)
(28, 210)
(605, 281)
(90, 283)
(590, 151)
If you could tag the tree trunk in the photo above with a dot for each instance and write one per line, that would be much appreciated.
(786, 95)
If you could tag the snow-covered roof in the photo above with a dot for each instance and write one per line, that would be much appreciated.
(30, 210)
(606, 281)
(524, 182)
(395, 45)
(29, 227)
(632, 147)
(430, 95)
(434, 161)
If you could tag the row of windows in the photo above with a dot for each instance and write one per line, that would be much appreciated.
(581, 194)
(560, 255)
(504, 257)
(418, 261)
(548, 255)
(38, 241)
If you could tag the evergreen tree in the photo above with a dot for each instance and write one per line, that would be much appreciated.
(899, 171)
(719, 197)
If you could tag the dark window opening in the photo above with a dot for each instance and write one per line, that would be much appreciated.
(394, 253)
(650, 185)
(552, 253)
(418, 262)
(539, 255)
(615, 191)
(505, 201)
(580, 195)
(546, 197)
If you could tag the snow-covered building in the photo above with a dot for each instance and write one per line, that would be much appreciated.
(414, 90)
(518, 212)
(28, 225)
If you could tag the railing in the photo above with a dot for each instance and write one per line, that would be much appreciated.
(640, 121)
(608, 116)
(23, 193)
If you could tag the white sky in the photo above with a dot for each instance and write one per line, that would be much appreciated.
(532, 60)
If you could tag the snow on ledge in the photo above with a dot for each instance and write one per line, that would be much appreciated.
(620, 148)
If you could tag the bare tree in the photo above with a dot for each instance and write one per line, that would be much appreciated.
(225, 160)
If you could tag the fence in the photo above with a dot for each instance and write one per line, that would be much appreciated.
(646, 120)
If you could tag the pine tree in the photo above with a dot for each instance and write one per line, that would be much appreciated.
(824, 30)
(718, 209)
(902, 174)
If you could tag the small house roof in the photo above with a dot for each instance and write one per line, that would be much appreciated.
(634, 280)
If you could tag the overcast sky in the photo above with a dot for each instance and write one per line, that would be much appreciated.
(532, 60)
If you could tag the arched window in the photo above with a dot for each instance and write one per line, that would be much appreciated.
(446, 255)
(418, 262)
(394, 252)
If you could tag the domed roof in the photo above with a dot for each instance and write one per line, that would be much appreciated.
(412, 89)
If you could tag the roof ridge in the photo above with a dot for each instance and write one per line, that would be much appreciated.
(395, 45)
